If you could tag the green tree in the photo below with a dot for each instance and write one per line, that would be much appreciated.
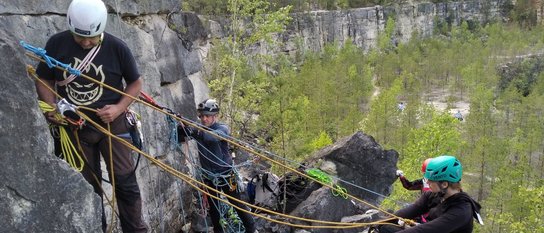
(382, 117)
(438, 136)
(321, 141)
(238, 77)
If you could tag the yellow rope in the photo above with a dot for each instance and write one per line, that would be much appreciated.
(69, 151)
(249, 150)
(98, 181)
(112, 177)
(195, 184)
(45, 107)
(189, 180)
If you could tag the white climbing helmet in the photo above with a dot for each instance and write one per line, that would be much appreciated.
(208, 107)
(87, 18)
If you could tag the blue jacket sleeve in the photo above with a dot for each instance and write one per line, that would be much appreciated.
(187, 131)
(220, 129)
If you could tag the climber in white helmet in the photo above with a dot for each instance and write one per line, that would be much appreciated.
(106, 58)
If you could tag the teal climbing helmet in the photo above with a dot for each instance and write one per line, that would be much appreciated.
(444, 168)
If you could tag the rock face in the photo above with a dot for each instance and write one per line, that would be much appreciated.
(40, 193)
(360, 160)
(315, 29)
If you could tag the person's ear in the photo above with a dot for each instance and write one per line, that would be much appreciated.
(445, 185)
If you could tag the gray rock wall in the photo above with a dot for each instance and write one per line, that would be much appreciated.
(37, 192)
(123, 7)
(315, 29)
(40, 192)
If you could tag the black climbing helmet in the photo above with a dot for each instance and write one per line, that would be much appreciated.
(208, 107)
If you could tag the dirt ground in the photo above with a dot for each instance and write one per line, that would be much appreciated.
(439, 99)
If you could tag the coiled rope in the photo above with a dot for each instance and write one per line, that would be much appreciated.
(69, 152)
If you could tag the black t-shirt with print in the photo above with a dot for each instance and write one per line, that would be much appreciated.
(113, 63)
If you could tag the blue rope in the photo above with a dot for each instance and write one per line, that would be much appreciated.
(218, 179)
(229, 220)
(51, 62)
(173, 140)
(270, 154)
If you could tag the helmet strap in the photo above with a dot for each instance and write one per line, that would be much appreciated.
(101, 39)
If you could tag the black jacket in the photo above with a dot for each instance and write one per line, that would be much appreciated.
(213, 152)
(411, 185)
(451, 215)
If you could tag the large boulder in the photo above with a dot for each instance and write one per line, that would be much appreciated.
(366, 169)
(357, 163)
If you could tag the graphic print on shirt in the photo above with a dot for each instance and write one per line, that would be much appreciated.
(84, 92)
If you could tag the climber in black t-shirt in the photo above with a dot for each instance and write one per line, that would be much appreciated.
(107, 59)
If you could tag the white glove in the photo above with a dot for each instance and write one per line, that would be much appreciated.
(400, 173)
(405, 225)
(401, 223)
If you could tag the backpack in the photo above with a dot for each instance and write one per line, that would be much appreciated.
(251, 189)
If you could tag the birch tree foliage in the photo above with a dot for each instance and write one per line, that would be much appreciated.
(239, 76)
